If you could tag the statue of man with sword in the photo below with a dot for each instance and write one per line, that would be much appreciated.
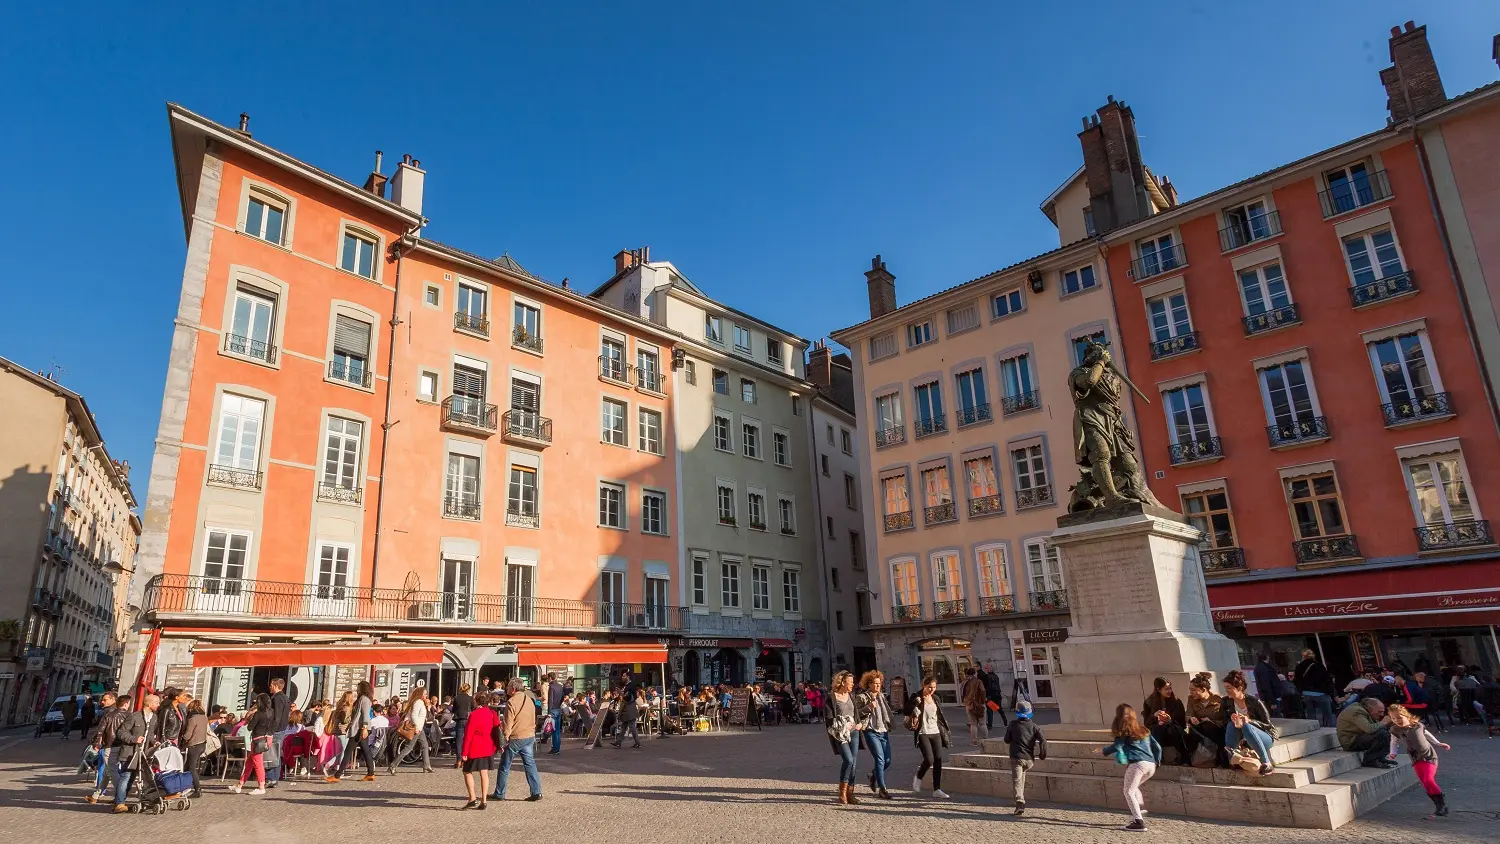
(1102, 443)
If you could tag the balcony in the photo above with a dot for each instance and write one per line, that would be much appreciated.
(1251, 230)
(949, 609)
(526, 427)
(232, 477)
(1162, 261)
(1037, 496)
(1382, 290)
(1356, 194)
(906, 612)
(997, 605)
(614, 370)
(1049, 600)
(469, 323)
(988, 505)
(1181, 344)
(1222, 560)
(102, 659)
(1272, 320)
(894, 435)
(461, 507)
(1464, 534)
(940, 513)
(257, 349)
(359, 606)
(929, 427)
(899, 521)
(1313, 429)
(469, 415)
(1429, 408)
(523, 339)
(1195, 451)
(340, 494)
(973, 415)
(1021, 402)
(648, 380)
(352, 372)
(1325, 549)
(517, 517)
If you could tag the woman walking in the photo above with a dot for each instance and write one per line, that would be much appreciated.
(841, 720)
(416, 715)
(357, 733)
(925, 718)
(877, 732)
(476, 749)
(260, 725)
(195, 740)
(1249, 719)
(1136, 749)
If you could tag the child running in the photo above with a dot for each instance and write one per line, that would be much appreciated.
(1406, 727)
(1136, 749)
(1027, 745)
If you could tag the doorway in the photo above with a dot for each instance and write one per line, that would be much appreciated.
(692, 669)
(457, 589)
(945, 660)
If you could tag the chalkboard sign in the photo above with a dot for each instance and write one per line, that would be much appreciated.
(596, 728)
(898, 694)
(739, 707)
(1366, 651)
(182, 676)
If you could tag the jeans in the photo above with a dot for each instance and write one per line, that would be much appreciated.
(108, 771)
(524, 748)
(123, 773)
(557, 730)
(194, 761)
(880, 750)
(1256, 737)
(931, 747)
(631, 727)
(1319, 706)
(460, 727)
(848, 757)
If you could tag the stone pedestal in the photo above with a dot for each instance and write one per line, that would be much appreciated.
(1140, 610)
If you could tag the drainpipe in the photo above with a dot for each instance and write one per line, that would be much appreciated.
(390, 380)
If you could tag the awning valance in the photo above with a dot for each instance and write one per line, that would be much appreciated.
(776, 643)
(252, 656)
(587, 654)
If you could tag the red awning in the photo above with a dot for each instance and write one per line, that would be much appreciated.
(587, 654)
(776, 643)
(251, 656)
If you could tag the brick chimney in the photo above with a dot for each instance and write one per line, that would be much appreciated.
(407, 184)
(1112, 167)
(819, 367)
(882, 288)
(376, 182)
(623, 259)
(1412, 84)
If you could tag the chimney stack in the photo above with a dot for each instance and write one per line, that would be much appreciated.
(1412, 84)
(406, 184)
(819, 368)
(882, 287)
(624, 259)
(376, 182)
(245, 124)
(1112, 167)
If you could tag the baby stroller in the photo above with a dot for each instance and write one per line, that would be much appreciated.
(160, 782)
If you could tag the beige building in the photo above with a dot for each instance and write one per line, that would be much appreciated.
(64, 518)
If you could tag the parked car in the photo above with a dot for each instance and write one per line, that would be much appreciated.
(53, 719)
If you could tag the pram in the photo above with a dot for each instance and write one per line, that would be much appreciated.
(159, 782)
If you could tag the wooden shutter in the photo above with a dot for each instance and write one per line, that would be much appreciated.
(468, 382)
(351, 337)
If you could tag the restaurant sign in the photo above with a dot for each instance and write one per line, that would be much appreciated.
(709, 644)
(1477, 600)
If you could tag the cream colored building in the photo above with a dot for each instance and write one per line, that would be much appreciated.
(64, 515)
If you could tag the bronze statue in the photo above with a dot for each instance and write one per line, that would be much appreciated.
(1102, 442)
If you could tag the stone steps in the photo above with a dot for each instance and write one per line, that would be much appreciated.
(1089, 732)
(1293, 774)
(1290, 746)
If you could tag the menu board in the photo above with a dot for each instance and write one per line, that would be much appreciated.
(182, 676)
(898, 694)
(1366, 651)
(739, 707)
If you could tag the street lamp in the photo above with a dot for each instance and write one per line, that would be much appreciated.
(114, 567)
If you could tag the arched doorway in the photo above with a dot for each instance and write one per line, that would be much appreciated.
(815, 670)
(691, 669)
(945, 659)
(770, 666)
(726, 666)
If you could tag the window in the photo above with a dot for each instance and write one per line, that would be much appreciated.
(1401, 369)
(904, 584)
(1264, 289)
(263, 219)
(1317, 507)
(993, 574)
(1031, 475)
(358, 255)
(747, 390)
(1350, 187)
(341, 454)
(760, 588)
(882, 346)
(1081, 345)
(224, 556)
(432, 296)
(351, 351)
(1442, 496)
(1015, 374)
(856, 551)
(525, 407)
(847, 441)
(796, 405)
(791, 590)
(690, 372)
(773, 351)
(520, 498)
(1372, 256)
(527, 331)
(721, 433)
(937, 495)
(1007, 303)
(742, 339)
(757, 510)
(729, 585)
(612, 596)
(653, 509)
(1169, 317)
(650, 431)
(779, 447)
(1043, 568)
(461, 487)
(726, 505)
(983, 486)
(427, 386)
(713, 329)
(973, 403)
(647, 372)
(824, 459)
(833, 578)
(1158, 254)
(252, 324)
(788, 514)
(919, 334)
(897, 501)
(612, 505)
(1209, 513)
(751, 440)
(613, 422)
(929, 401)
(829, 429)
(1289, 401)
(240, 420)
(851, 492)
(333, 571)
(1088, 222)
(520, 592)
(472, 312)
(1187, 415)
(468, 394)
(962, 318)
(947, 583)
(831, 534)
(721, 382)
(1247, 223)
(700, 580)
(1079, 280)
(612, 358)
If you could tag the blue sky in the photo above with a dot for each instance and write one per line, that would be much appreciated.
(768, 152)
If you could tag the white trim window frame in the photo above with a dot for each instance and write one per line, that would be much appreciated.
(726, 503)
(713, 329)
(920, 333)
(992, 572)
(1077, 280)
(742, 340)
(1007, 303)
(223, 570)
(1170, 317)
(1404, 368)
(723, 427)
(654, 512)
(267, 217)
(1189, 419)
(781, 447)
(750, 445)
(1264, 288)
(1044, 571)
(342, 441)
(786, 510)
(698, 588)
(612, 424)
(760, 588)
(612, 506)
(648, 424)
(1373, 255)
(359, 252)
(1440, 490)
(241, 425)
(791, 591)
(1288, 395)
(729, 584)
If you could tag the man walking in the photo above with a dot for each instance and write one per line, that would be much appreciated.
(556, 694)
(130, 740)
(520, 740)
(996, 694)
(974, 699)
(463, 707)
(281, 710)
(103, 740)
(69, 709)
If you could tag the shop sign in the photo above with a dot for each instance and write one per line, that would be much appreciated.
(706, 644)
(36, 664)
(1045, 637)
(1479, 600)
(7, 675)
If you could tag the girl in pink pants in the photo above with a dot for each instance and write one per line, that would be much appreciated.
(1407, 729)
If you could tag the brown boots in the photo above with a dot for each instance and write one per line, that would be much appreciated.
(846, 795)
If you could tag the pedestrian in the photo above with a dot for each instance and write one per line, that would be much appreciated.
(1249, 720)
(463, 708)
(138, 730)
(996, 694)
(557, 694)
(173, 714)
(1265, 679)
(357, 733)
(476, 747)
(1027, 747)
(630, 713)
(520, 740)
(841, 721)
(1407, 729)
(86, 717)
(975, 700)
(109, 719)
(1316, 685)
(924, 718)
(1136, 749)
(417, 715)
(877, 732)
(69, 710)
(259, 728)
(194, 741)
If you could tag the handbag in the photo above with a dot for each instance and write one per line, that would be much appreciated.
(548, 726)
(1245, 761)
(992, 706)
(842, 729)
(260, 744)
(408, 730)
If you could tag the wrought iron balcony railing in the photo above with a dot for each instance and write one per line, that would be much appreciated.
(1163, 260)
(1222, 559)
(527, 426)
(986, 505)
(350, 372)
(612, 368)
(997, 605)
(516, 517)
(1326, 548)
(648, 379)
(521, 338)
(932, 425)
(250, 348)
(1192, 451)
(461, 507)
(1049, 599)
(1180, 344)
(1360, 192)
(339, 493)
(230, 476)
(1431, 406)
(907, 612)
(949, 609)
(1257, 227)
(1021, 402)
(894, 435)
(940, 513)
(472, 323)
(1311, 429)
(470, 414)
(973, 415)
(1382, 289)
(1037, 496)
(1272, 320)
(899, 521)
(1461, 534)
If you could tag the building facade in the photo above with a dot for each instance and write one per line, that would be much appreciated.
(750, 540)
(68, 543)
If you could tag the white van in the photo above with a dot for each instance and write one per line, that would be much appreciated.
(53, 719)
